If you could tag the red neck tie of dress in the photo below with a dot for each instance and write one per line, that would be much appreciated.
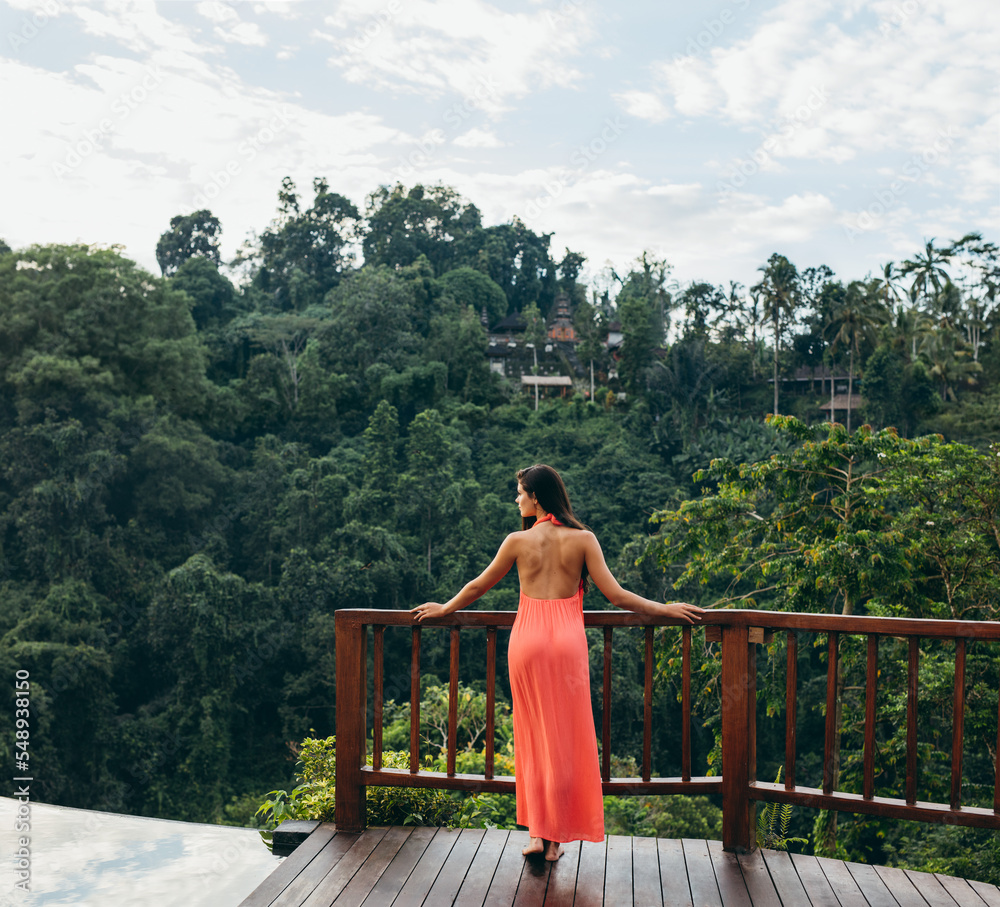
(548, 516)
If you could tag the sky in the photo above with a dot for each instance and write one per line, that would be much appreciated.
(712, 134)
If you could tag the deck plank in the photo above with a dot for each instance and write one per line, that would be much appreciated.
(673, 874)
(403, 863)
(368, 876)
(532, 876)
(305, 881)
(456, 866)
(419, 883)
(618, 872)
(872, 887)
(701, 874)
(646, 890)
(265, 893)
(760, 887)
(930, 889)
(590, 875)
(732, 885)
(989, 893)
(482, 869)
(963, 893)
(900, 887)
(786, 880)
(816, 884)
(842, 882)
(503, 888)
(340, 873)
(561, 876)
(428, 867)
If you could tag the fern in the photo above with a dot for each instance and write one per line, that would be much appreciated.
(772, 824)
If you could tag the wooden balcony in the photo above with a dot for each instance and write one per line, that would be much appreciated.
(351, 864)
(437, 867)
(739, 631)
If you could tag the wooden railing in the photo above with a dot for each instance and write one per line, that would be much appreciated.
(739, 632)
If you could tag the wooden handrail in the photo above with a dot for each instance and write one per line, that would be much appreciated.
(739, 631)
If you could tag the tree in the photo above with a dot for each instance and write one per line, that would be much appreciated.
(704, 305)
(852, 322)
(534, 336)
(982, 260)
(779, 289)
(928, 269)
(591, 329)
(303, 254)
(83, 327)
(371, 320)
(190, 235)
(799, 531)
(469, 287)
(515, 258)
(569, 277)
(213, 297)
(405, 224)
(643, 305)
(949, 363)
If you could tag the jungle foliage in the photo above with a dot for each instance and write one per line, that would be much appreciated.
(198, 469)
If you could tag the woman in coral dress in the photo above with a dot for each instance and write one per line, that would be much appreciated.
(558, 781)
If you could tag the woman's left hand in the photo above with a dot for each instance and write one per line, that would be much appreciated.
(428, 609)
(683, 610)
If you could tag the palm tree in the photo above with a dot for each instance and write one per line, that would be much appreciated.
(852, 322)
(927, 268)
(949, 363)
(779, 289)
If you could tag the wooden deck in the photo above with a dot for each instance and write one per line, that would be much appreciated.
(412, 866)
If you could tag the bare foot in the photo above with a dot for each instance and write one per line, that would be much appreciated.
(553, 851)
(537, 845)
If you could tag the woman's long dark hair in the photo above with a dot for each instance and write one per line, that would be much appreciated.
(547, 486)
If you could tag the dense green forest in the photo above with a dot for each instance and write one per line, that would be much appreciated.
(199, 468)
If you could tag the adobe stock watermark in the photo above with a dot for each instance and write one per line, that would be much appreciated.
(454, 118)
(247, 151)
(373, 27)
(714, 27)
(567, 9)
(581, 158)
(898, 17)
(32, 24)
(888, 195)
(742, 169)
(122, 107)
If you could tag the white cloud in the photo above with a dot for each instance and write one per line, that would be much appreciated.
(217, 12)
(138, 26)
(433, 47)
(228, 25)
(890, 86)
(478, 138)
(286, 9)
(643, 104)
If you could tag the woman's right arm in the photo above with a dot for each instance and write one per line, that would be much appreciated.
(605, 581)
(473, 589)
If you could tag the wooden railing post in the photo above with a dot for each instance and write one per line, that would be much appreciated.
(349, 805)
(739, 739)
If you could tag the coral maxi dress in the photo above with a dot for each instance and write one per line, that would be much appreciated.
(558, 780)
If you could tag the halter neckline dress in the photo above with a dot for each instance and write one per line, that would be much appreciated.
(558, 779)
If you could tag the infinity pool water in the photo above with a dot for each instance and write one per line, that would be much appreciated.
(98, 859)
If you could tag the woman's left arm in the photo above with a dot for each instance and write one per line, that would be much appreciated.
(472, 590)
(597, 567)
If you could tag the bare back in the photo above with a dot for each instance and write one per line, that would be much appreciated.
(550, 560)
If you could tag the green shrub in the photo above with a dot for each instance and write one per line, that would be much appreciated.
(314, 797)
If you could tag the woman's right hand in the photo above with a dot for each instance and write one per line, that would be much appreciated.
(428, 609)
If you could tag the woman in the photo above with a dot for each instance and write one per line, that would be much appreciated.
(555, 748)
